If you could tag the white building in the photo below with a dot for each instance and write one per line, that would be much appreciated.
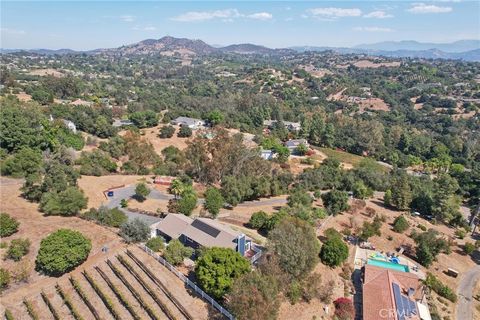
(192, 123)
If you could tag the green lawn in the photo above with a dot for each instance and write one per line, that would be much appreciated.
(346, 157)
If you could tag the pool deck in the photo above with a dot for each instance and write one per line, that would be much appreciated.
(362, 255)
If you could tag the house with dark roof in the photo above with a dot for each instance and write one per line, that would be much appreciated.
(204, 232)
(393, 295)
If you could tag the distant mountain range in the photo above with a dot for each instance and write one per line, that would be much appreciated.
(453, 47)
(468, 50)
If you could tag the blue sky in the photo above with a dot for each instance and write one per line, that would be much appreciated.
(84, 25)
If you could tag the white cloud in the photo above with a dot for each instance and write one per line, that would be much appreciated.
(193, 16)
(227, 15)
(127, 18)
(421, 8)
(260, 16)
(12, 31)
(379, 14)
(332, 13)
(140, 28)
(372, 29)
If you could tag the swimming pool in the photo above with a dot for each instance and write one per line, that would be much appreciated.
(388, 265)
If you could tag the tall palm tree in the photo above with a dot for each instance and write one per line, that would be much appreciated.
(176, 188)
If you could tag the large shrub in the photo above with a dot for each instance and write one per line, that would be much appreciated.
(8, 225)
(335, 201)
(254, 296)
(166, 132)
(141, 191)
(176, 252)
(18, 248)
(65, 203)
(184, 132)
(217, 268)
(344, 309)
(213, 201)
(62, 251)
(135, 230)
(258, 220)
(442, 290)
(155, 244)
(105, 216)
(4, 279)
(334, 252)
(400, 224)
(295, 243)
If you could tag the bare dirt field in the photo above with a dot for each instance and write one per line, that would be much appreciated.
(151, 205)
(22, 96)
(35, 226)
(315, 309)
(375, 104)
(151, 135)
(370, 64)
(46, 72)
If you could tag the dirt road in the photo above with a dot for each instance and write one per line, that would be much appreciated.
(465, 294)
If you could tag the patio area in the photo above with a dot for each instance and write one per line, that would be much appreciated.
(395, 262)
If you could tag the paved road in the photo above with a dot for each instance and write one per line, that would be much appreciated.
(128, 192)
(465, 294)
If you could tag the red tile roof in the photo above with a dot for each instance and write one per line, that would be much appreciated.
(378, 298)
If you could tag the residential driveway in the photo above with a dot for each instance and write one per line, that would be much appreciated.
(263, 202)
(128, 192)
(465, 294)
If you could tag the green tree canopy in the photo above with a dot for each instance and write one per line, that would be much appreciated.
(18, 248)
(135, 230)
(155, 244)
(23, 163)
(213, 201)
(109, 217)
(400, 224)
(141, 191)
(295, 243)
(254, 296)
(62, 251)
(258, 220)
(429, 245)
(176, 252)
(65, 203)
(8, 225)
(299, 197)
(217, 268)
(335, 201)
(334, 252)
(166, 132)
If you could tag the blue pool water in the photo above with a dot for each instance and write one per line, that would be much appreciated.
(388, 265)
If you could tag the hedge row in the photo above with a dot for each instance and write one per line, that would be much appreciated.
(118, 293)
(50, 306)
(106, 300)
(83, 296)
(68, 302)
(146, 287)
(134, 292)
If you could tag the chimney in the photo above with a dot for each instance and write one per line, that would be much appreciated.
(411, 292)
